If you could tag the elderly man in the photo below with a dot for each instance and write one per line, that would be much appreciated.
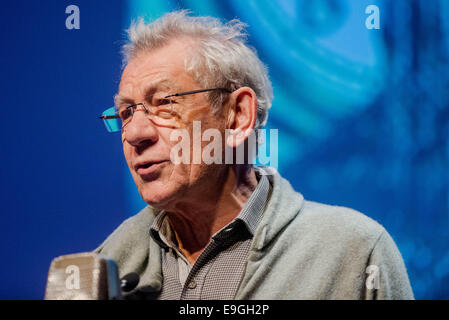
(220, 230)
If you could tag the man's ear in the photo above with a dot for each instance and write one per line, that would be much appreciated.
(242, 115)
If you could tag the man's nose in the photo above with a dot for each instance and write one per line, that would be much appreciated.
(140, 130)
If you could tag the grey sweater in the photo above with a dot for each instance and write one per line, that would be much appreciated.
(300, 250)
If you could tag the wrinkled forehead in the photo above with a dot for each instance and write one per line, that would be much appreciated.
(148, 78)
(165, 86)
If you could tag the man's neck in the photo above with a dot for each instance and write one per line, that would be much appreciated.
(195, 222)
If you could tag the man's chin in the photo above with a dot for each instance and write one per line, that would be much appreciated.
(157, 197)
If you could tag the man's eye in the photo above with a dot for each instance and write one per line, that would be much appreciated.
(125, 113)
(161, 102)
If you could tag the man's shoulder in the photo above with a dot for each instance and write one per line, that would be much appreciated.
(339, 217)
(333, 223)
(305, 221)
(130, 231)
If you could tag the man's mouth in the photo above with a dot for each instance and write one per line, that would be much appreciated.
(147, 167)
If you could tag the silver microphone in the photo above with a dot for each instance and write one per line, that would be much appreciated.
(83, 276)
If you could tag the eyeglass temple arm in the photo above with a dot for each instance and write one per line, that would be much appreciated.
(196, 91)
(109, 117)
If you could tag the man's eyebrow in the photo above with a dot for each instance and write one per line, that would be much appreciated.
(149, 91)
(118, 100)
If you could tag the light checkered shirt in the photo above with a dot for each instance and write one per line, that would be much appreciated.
(217, 272)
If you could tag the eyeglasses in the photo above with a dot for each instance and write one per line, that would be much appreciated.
(162, 114)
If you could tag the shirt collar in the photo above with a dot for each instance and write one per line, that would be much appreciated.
(253, 210)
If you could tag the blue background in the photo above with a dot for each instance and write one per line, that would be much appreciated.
(362, 118)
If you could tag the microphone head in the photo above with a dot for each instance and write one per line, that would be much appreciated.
(129, 281)
(82, 276)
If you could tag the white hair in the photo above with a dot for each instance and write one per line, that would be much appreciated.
(221, 58)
